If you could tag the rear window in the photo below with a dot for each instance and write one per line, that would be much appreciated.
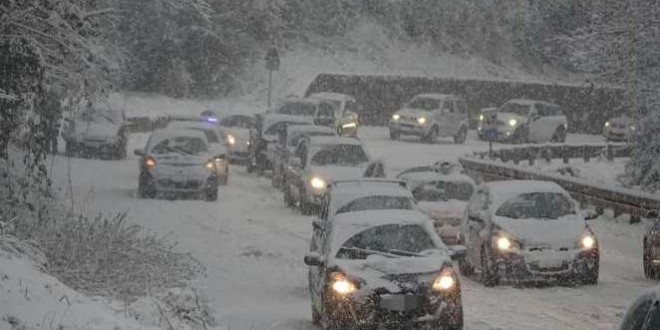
(377, 203)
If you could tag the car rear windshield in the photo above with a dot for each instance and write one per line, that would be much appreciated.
(423, 103)
(516, 109)
(298, 109)
(210, 134)
(437, 191)
(392, 240)
(180, 145)
(537, 206)
(377, 203)
(340, 155)
(238, 121)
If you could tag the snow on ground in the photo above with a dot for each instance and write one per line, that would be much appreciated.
(31, 299)
(252, 246)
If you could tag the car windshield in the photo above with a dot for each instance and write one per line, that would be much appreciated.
(238, 122)
(211, 135)
(377, 203)
(546, 206)
(516, 109)
(340, 155)
(423, 103)
(102, 115)
(185, 145)
(298, 109)
(392, 241)
(437, 191)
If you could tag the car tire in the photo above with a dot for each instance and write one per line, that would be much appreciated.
(316, 317)
(488, 277)
(590, 277)
(649, 272)
(465, 268)
(461, 136)
(225, 179)
(69, 150)
(521, 136)
(559, 136)
(275, 180)
(394, 135)
(288, 199)
(211, 194)
(146, 188)
(432, 137)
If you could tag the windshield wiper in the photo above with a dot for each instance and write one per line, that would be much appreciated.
(406, 253)
(382, 253)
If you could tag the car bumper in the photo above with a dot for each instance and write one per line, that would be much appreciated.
(409, 128)
(185, 185)
(525, 268)
(400, 311)
(614, 135)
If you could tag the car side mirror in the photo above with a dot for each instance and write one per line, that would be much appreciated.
(457, 252)
(313, 259)
(139, 152)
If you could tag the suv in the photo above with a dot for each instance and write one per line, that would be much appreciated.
(523, 121)
(346, 112)
(99, 131)
(430, 116)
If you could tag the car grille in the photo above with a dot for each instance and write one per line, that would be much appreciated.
(190, 184)
(619, 126)
(536, 268)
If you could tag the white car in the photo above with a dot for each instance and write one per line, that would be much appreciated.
(175, 163)
(619, 129)
(217, 146)
(289, 140)
(523, 231)
(524, 121)
(99, 130)
(365, 194)
(317, 162)
(384, 269)
(430, 116)
(346, 112)
(236, 129)
(443, 196)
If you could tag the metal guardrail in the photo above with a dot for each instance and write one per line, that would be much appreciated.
(621, 200)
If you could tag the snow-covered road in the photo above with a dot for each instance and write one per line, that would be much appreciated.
(252, 246)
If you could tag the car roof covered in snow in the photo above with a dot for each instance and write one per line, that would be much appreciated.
(333, 140)
(503, 191)
(436, 96)
(344, 192)
(415, 179)
(332, 96)
(347, 225)
(163, 134)
(530, 102)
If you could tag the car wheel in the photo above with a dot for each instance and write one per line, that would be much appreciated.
(146, 188)
(316, 316)
(275, 180)
(461, 136)
(432, 137)
(649, 272)
(559, 136)
(69, 150)
(521, 136)
(465, 268)
(225, 179)
(591, 275)
(394, 135)
(211, 194)
(488, 276)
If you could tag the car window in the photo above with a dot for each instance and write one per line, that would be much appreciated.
(462, 107)
(377, 203)
(390, 240)
(180, 145)
(537, 206)
(326, 110)
(277, 128)
(443, 191)
(423, 103)
(341, 155)
(238, 121)
(448, 106)
(546, 110)
(516, 109)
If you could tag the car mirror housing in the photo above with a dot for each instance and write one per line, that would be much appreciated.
(457, 252)
(313, 259)
(138, 152)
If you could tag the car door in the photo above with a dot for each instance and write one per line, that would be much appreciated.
(298, 173)
(319, 274)
(474, 224)
(446, 119)
(540, 124)
(462, 113)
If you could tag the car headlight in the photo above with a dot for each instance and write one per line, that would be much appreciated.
(505, 244)
(588, 242)
(446, 281)
(317, 183)
(513, 122)
(421, 120)
(231, 139)
(396, 117)
(342, 285)
(481, 117)
(349, 125)
(210, 165)
(150, 163)
(633, 128)
(607, 124)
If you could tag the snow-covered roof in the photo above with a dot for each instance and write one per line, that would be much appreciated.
(436, 96)
(333, 140)
(332, 96)
(343, 193)
(417, 178)
(503, 191)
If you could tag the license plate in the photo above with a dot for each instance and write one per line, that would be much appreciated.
(400, 303)
(550, 263)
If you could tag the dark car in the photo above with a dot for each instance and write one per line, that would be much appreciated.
(644, 314)
(382, 269)
(652, 252)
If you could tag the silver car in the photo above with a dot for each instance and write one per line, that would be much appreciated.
(430, 116)
(619, 129)
(99, 131)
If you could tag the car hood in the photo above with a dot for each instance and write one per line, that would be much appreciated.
(337, 173)
(445, 210)
(174, 159)
(505, 117)
(413, 113)
(99, 130)
(562, 232)
(395, 274)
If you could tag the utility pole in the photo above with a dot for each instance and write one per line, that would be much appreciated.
(272, 64)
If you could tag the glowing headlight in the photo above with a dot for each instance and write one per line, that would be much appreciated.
(396, 117)
(421, 120)
(633, 128)
(444, 282)
(607, 124)
(342, 285)
(481, 117)
(210, 166)
(317, 183)
(588, 242)
(349, 125)
(150, 163)
(503, 243)
(513, 122)
(231, 139)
